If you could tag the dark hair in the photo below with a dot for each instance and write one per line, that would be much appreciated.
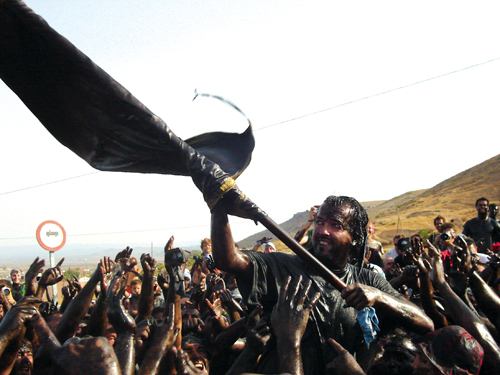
(356, 226)
(397, 237)
(439, 217)
(448, 226)
(482, 199)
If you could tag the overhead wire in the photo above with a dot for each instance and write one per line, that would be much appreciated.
(377, 94)
(298, 117)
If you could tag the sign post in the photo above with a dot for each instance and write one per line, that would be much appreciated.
(51, 236)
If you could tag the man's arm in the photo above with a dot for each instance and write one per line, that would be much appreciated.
(226, 256)
(389, 308)
(300, 235)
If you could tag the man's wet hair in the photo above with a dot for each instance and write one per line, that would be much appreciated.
(356, 226)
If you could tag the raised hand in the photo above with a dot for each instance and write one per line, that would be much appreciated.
(52, 275)
(170, 243)
(123, 259)
(117, 314)
(290, 315)
(13, 322)
(148, 265)
(163, 281)
(344, 363)
(74, 286)
(30, 277)
(258, 331)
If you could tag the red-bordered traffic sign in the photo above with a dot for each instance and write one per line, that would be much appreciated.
(51, 235)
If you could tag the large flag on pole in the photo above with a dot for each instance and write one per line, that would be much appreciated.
(89, 112)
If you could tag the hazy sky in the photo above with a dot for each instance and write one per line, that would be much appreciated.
(277, 60)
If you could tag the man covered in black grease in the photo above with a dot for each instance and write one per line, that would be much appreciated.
(339, 236)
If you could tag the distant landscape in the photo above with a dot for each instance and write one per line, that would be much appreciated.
(408, 213)
(413, 211)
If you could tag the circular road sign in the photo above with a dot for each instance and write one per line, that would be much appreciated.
(51, 235)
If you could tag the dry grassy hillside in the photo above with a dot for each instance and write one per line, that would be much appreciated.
(410, 212)
(454, 199)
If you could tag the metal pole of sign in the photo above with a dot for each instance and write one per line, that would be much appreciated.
(52, 261)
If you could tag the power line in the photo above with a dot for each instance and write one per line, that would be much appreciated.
(48, 183)
(378, 94)
(133, 231)
(303, 116)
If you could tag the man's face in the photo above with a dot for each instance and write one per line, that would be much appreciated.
(16, 277)
(331, 238)
(24, 361)
(198, 355)
(390, 267)
(207, 248)
(111, 336)
(268, 249)
(438, 224)
(482, 208)
(190, 314)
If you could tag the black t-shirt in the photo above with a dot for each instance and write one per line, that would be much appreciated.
(328, 319)
(482, 229)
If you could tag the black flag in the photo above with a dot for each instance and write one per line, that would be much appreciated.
(93, 115)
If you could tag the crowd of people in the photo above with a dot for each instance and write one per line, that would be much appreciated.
(429, 306)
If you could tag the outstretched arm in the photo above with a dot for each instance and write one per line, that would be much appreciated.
(289, 320)
(464, 316)
(300, 236)
(226, 256)
(389, 308)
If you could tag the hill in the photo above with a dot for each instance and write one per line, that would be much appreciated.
(413, 211)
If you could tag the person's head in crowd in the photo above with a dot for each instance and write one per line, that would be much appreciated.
(450, 350)
(157, 313)
(196, 350)
(269, 248)
(206, 246)
(6, 286)
(15, 276)
(24, 360)
(404, 249)
(230, 281)
(190, 320)
(399, 353)
(339, 234)
(370, 229)
(390, 268)
(136, 267)
(135, 286)
(126, 303)
(438, 222)
(493, 210)
(111, 335)
(395, 240)
(133, 310)
(447, 236)
(82, 330)
(482, 207)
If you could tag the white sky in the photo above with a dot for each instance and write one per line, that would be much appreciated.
(277, 60)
